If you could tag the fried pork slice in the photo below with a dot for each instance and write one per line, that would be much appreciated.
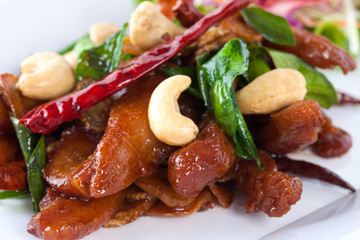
(269, 191)
(18, 104)
(9, 146)
(13, 176)
(317, 50)
(68, 219)
(332, 141)
(207, 159)
(158, 186)
(65, 156)
(203, 201)
(128, 149)
(293, 128)
(223, 193)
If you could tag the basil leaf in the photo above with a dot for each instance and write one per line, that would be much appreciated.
(173, 71)
(218, 75)
(257, 63)
(333, 33)
(231, 61)
(126, 56)
(319, 88)
(12, 194)
(67, 49)
(274, 28)
(187, 71)
(34, 173)
(33, 149)
(27, 140)
(98, 61)
(82, 44)
(137, 2)
(203, 83)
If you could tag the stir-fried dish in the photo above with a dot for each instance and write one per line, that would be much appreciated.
(195, 103)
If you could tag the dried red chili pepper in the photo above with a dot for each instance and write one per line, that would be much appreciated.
(345, 98)
(48, 117)
(310, 170)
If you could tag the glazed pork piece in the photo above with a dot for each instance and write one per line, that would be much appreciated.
(62, 218)
(210, 157)
(128, 149)
(332, 141)
(293, 128)
(65, 156)
(269, 191)
(12, 172)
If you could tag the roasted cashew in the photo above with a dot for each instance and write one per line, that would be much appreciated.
(166, 121)
(45, 76)
(272, 91)
(147, 25)
(72, 59)
(99, 32)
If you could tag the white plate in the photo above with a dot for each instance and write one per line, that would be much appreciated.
(42, 25)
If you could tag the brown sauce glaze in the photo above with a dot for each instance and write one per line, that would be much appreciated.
(269, 191)
(332, 141)
(207, 159)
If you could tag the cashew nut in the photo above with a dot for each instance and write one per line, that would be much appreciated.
(166, 121)
(272, 91)
(72, 59)
(99, 32)
(45, 76)
(147, 25)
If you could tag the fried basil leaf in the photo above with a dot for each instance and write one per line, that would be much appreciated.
(13, 194)
(187, 71)
(216, 77)
(98, 61)
(33, 149)
(274, 28)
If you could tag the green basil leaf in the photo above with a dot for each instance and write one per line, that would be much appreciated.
(319, 88)
(203, 83)
(257, 63)
(187, 71)
(33, 149)
(126, 56)
(98, 61)
(137, 2)
(83, 44)
(231, 61)
(35, 178)
(223, 108)
(216, 76)
(13, 194)
(67, 49)
(173, 71)
(274, 28)
(27, 139)
(333, 33)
